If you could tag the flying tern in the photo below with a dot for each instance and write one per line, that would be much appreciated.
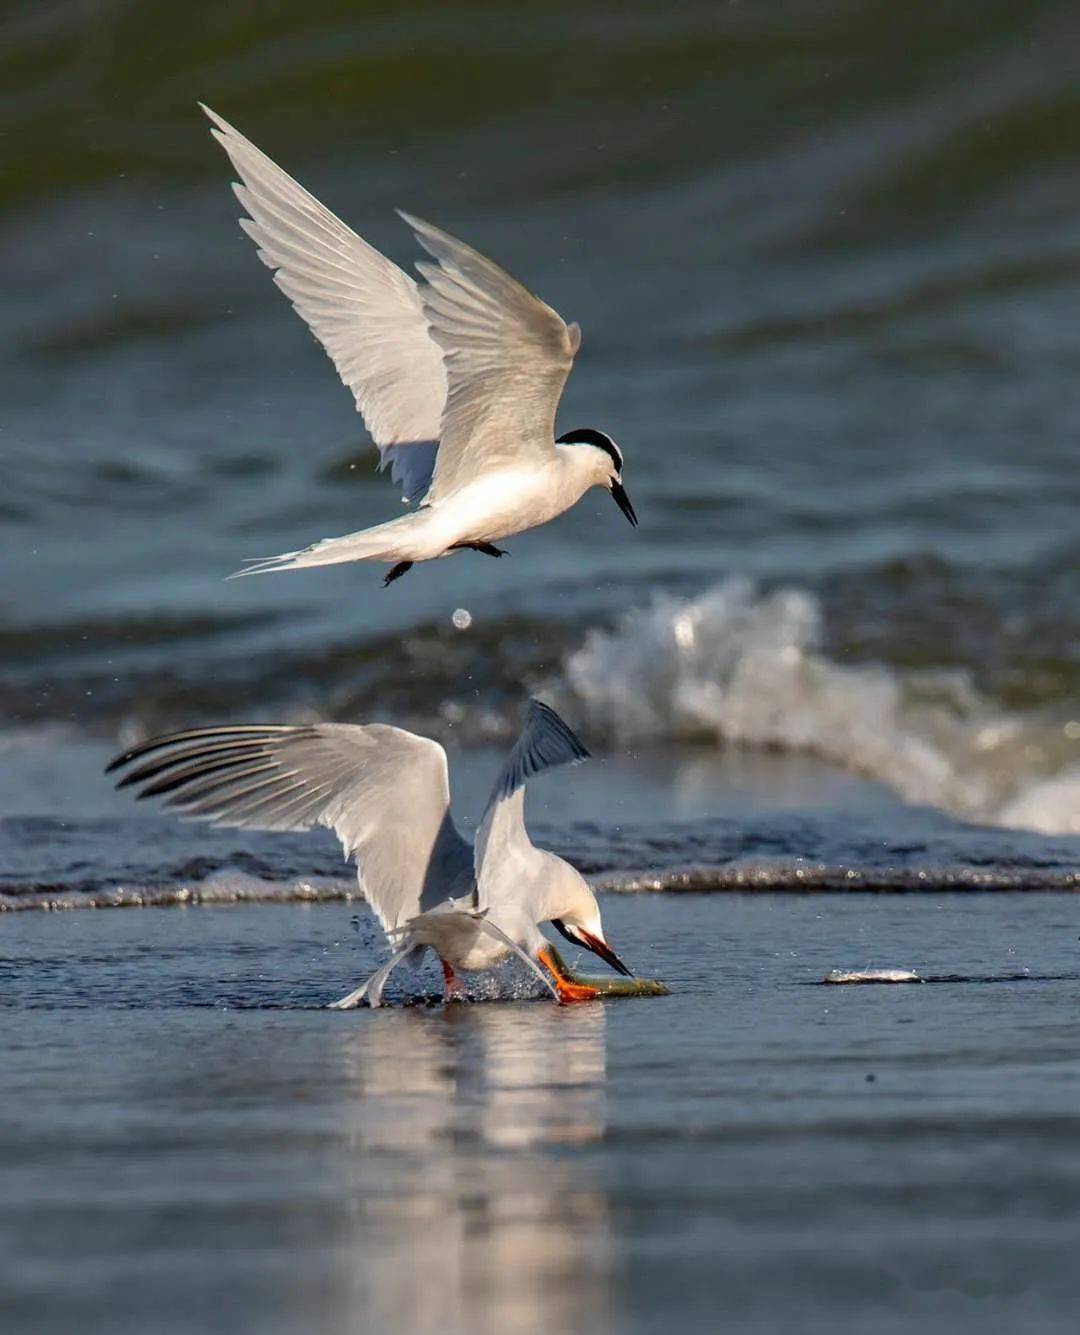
(385, 793)
(457, 378)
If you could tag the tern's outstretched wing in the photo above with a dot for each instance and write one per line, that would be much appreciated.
(507, 357)
(383, 791)
(545, 742)
(363, 309)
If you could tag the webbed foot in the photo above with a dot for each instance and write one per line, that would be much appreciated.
(568, 989)
(488, 549)
(402, 568)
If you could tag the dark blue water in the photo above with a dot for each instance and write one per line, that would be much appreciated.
(681, 819)
(189, 1143)
(826, 264)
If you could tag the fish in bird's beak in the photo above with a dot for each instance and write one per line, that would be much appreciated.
(618, 491)
(579, 937)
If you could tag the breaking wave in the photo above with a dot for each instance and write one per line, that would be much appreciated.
(742, 668)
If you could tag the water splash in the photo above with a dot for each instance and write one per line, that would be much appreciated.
(737, 667)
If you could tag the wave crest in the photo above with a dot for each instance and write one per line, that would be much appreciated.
(742, 668)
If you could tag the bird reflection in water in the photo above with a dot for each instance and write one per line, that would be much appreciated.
(477, 1203)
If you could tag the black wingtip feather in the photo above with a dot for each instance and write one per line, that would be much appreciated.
(252, 732)
(581, 751)
(545, 742)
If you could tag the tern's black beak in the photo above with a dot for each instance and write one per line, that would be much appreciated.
(623, 502)
(578, 937)
(605, 952)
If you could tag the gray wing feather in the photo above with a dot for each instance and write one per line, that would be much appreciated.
(507, 356)
(545, 743)
(383, 791)
(411, 467)
(363, 309)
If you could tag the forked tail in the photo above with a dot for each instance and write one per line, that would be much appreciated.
(393, 541)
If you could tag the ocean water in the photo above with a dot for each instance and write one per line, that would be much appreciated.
(190, 1143)
(826, 259)
(828, 301)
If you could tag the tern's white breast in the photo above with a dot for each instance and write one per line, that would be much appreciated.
(510, 500)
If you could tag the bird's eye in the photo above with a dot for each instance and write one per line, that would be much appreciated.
(569, 932)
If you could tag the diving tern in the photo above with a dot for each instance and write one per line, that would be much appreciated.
(385, 793)
(457, 378)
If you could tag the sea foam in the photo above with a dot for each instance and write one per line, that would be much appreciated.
(740, 667)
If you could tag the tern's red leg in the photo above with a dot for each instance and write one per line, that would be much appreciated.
(452, 989)
(568, 990)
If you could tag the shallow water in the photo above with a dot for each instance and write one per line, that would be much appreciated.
(825, 260)
(190, 1143)
(655, 818)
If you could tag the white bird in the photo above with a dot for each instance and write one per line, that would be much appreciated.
(458, 378)
(385, 793)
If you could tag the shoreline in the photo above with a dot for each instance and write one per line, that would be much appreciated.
(223, 889)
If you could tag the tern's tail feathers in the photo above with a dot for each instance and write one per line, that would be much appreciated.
(415, 937)
(373, 988)
(394, 541)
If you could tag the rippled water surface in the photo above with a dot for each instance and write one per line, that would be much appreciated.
(825, 259)
(827, 263)
(189, 1142)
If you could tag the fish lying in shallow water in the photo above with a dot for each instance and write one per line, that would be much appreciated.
(871, 976)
